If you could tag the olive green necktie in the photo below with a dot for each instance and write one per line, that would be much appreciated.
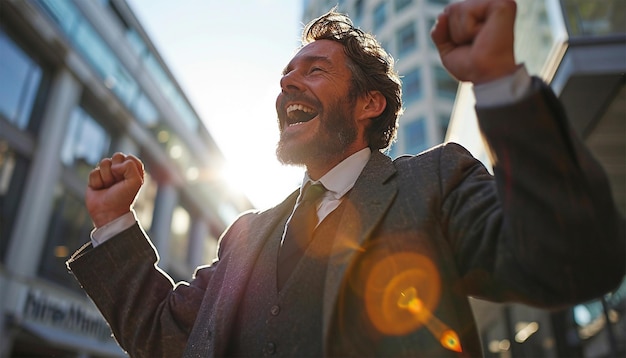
(299, 232)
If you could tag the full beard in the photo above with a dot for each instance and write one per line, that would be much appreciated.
(337, 132)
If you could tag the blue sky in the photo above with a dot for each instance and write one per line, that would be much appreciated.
(228, 56)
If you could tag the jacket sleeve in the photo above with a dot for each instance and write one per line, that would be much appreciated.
(550, 233)
(149, 315)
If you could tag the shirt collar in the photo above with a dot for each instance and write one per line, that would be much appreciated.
(340, 179)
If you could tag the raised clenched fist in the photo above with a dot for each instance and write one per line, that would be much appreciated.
(475, 39)
(113, 187)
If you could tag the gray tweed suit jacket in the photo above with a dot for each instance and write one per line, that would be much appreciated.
(526, 236)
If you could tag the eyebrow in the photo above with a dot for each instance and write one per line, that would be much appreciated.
(308, 60)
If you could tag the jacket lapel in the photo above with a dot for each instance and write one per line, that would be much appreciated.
(365, 206)
(239, 268)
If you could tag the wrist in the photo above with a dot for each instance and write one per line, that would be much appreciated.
(495, 72)
(104, 218)
(107, 231)
(505, 90)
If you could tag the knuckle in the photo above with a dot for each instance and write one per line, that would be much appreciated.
(118, 157)
(106, 162)
(94, 174)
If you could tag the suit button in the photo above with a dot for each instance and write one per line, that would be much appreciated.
(275, 310)
(270, 347)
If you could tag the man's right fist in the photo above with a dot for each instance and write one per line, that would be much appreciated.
(112, 187)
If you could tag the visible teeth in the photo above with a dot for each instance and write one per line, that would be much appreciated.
(299, 107)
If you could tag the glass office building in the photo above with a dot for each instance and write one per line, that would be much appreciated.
(80, 80)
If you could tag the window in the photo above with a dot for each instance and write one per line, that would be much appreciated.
(401, 4)
(412, 86)
(145, 112)
(13, 171)
(171, 92)
(20, 79)
(407, 38)
(439, 2)
(98, 53)
(593, 17)
(446, 85)
(358, 10)
(95, 50)
(415, 136)
(63, 12)
(86, 141)
(136, 42)
(380, 15)
(68, 228)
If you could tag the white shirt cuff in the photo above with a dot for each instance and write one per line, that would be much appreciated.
(505, 90)
(101, 234)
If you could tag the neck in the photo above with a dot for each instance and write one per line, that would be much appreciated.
(318, 168)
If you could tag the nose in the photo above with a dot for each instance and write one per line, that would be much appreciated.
(291, 82)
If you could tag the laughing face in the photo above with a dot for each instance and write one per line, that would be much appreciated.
(316, 109)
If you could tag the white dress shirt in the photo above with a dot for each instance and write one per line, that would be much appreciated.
(338, 181)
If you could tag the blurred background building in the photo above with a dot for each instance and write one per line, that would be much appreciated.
(80, 80)
(579, 48)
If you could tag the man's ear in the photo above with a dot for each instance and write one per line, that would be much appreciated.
(371, 105)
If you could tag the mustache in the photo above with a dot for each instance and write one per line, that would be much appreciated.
(284, 98)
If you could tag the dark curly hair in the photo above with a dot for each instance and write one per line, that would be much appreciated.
(372, 70)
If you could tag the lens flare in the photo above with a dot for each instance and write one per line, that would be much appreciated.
(401, 293)
(391, 279)
(410, 301)
(450, 340)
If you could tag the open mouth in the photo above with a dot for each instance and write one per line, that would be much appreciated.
(298, 114)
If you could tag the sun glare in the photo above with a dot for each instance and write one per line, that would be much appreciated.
(263, 180)
(247, 135)
(232, 81)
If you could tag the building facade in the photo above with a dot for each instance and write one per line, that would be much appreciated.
(579, 48)
(80, 80)
(403, 28)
